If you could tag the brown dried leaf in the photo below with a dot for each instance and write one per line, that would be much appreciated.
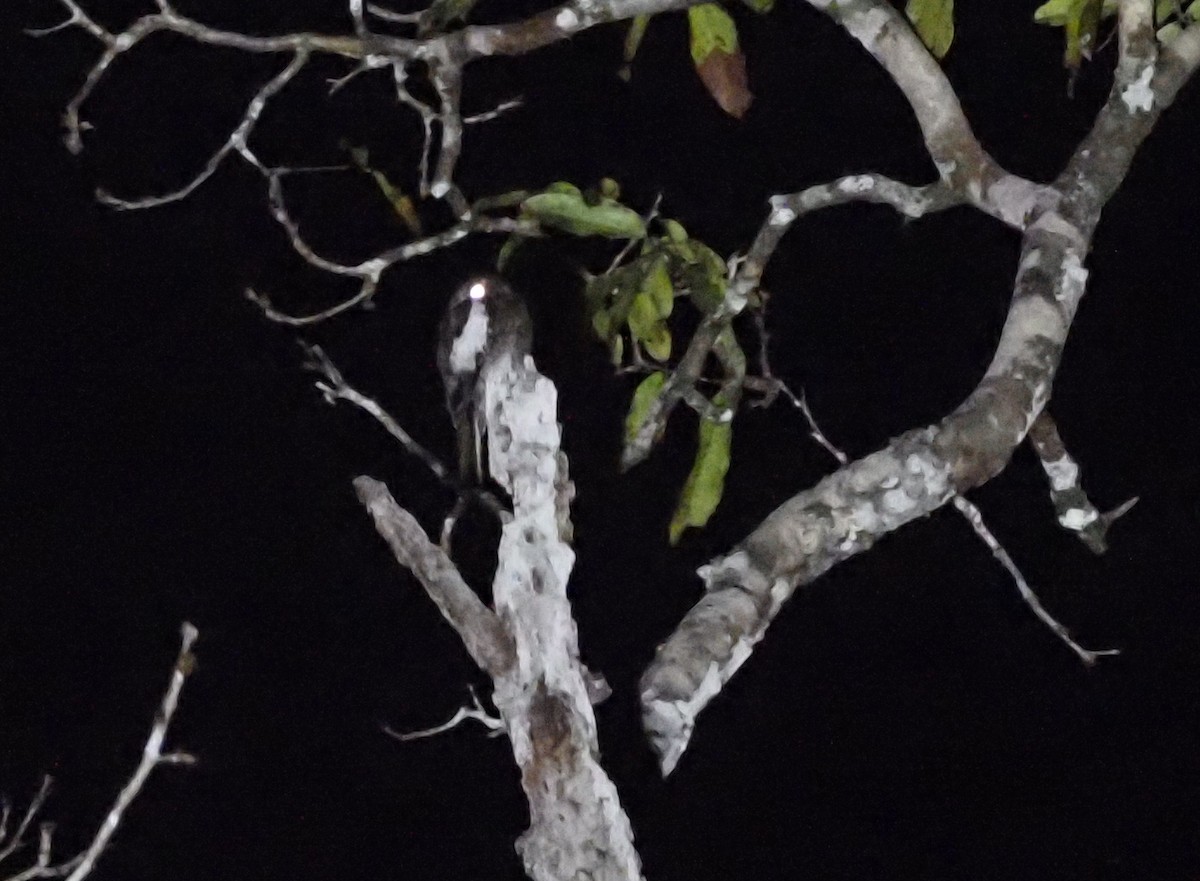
(724, 75)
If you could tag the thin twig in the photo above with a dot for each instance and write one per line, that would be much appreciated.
(494, 724)
(975, 518)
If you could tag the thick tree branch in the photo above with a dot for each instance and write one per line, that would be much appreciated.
(923, 469)
(961, 161)
(485, 638)
(543, 692)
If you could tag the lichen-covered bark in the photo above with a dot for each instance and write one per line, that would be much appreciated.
(915, 474)
(578, 829)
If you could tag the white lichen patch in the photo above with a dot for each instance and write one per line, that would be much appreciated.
(1076, 518)
(781, 213)
(867, 518)
(858, 183)
(946, 167)
(782, 216)
(1138, 95)
(897, 501)
(871, 471)
(1063, 473)
(1014, 199)
(1029, 318)
(867, 25)
(781, 589)
(1030, 260)
(471, 340)
(1074, 280)
(737, 563)
(566, 20)
(923, 478)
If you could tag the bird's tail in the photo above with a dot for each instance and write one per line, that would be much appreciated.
(470, 450)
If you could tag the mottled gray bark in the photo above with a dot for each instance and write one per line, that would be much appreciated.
(921, 470)
(528, 641)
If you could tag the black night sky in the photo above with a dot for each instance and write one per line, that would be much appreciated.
(163, 457)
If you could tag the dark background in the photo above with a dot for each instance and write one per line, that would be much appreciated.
(163, 457)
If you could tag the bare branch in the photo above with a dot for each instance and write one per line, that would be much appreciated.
(961, 161)
(383, 14)
(237, 141)
(335, 388)
(77, 18)
(975, 518)
(494, 724)
(80, 866)
(152, 756)
(484, 636)
(18, 836)
(497, 111)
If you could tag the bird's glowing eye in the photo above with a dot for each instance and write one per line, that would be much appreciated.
(478, 291)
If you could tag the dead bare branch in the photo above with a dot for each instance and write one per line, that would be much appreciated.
(81, 865)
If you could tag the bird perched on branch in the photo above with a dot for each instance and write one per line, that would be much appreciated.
(485, 321)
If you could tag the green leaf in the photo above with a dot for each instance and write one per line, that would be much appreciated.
(602, 324)
(933, 21)
(500, 200)
(718, 59)
(571, 213)
(1080, 21)
(1163, 10)
(609, 188)
(706, 483)
(508, 249)
(633, 39)
(643, 316)
(563, 186)
(643, 396)
(675, 231)
(657, 341)
(712, 31)
(703, 274)
(760, 5)
(1054, 12)
(659, 288)
(1193, 11)
(1168, 32)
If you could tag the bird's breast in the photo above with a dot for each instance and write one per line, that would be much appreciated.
(471, 340)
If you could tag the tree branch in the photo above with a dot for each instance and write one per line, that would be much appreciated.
(1074, 509)
(81, 865)
(485, 638)
(915, 474)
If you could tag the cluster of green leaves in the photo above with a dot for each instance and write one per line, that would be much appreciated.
(1080, 21)
(637, 298)
(716, 52)
(1172, 16)
(633, 301)
(629, 307)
